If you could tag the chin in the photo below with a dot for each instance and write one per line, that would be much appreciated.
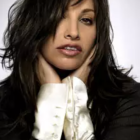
(65, 66)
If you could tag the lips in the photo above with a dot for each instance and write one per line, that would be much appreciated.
(79, 48)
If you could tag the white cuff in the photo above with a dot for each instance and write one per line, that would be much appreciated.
(78, 124)
(83, 121)
(49, 118)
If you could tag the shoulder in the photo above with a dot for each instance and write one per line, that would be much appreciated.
(6, 105)
(125, 123)
(130, 103)
(10, 112)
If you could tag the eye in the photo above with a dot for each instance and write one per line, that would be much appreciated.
(87, 21)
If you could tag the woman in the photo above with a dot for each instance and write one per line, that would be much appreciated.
(45, 72)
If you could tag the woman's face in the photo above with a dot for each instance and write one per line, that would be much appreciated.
(77, 28)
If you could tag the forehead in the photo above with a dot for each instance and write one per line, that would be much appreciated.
(81, 3)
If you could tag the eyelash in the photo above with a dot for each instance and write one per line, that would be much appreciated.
(89, 20)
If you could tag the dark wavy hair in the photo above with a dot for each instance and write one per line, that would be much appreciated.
(30, 24)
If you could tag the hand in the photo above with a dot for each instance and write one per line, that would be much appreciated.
(83, 71)
(45, 72)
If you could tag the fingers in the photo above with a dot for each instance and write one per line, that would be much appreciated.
(45, 72)
(91, 56)
(40, 64)
(41, 58)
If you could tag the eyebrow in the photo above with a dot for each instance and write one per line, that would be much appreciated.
(88, 10)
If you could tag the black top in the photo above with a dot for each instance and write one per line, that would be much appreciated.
(125, 124)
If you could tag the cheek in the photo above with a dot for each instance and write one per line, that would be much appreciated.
(47, 46)
(88, 41)
(52, 56)
(46, 50)
(88, 35)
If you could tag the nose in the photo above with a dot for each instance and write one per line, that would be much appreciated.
(72, 31)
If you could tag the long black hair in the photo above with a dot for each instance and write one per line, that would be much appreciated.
(30, 23)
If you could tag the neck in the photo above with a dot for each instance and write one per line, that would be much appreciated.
(63, 73)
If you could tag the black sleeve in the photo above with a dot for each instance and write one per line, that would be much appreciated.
(4, 135)
(125, 124)
(13, 133)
